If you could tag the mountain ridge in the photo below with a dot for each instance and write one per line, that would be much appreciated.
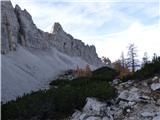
(26, 33)
(32, 58)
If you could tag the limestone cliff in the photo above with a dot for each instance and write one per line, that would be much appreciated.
(32, 58)
(9, 27)
(19, 28)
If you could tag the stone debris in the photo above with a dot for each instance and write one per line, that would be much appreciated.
(135, 102)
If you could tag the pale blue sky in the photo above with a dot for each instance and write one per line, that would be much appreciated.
(110, 25)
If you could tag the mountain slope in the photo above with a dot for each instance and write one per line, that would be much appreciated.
(31, 57)
(20, 74)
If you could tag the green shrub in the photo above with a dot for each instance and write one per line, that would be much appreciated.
(58, 82)
(104, 74)
(147, 71)
(60, 102)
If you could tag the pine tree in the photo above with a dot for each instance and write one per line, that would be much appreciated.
(154, 57)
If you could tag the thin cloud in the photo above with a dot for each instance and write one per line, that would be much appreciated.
(110, 24)
(145, 38)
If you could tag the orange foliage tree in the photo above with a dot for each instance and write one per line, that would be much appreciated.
(121, 68)
(83, 72)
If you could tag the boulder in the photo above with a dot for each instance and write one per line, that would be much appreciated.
(155, 78)
(147, 114)
(156, 117)
(94, 107)
(129, 95)
(155, 86)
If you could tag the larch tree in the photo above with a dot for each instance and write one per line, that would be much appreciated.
(132, 60)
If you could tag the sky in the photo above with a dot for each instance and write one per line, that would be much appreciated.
(110, 25)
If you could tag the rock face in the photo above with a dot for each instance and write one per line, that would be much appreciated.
(29, 34)
(9, 28)
(31, 58)
(136, 101)
(67, 44)
(18, 28)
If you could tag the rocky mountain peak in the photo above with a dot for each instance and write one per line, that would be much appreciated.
(57, 28)
(19, 11)
(19, 28)
(17, 8)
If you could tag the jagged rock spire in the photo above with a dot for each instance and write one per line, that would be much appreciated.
(17, 7)
(56, 28)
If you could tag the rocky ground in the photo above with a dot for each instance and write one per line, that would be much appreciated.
(137, 100)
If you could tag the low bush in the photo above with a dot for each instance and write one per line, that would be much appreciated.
(104, 74)
(147, 71)
(60, 101)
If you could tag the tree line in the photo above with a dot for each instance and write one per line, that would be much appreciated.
(130, 64)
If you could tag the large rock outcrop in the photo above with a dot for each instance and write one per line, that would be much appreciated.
(19, 28)
(32, 58)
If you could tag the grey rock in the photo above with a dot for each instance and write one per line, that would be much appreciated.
(129, 95)
(94, 107)
(73, 47)
(155, 86)
(154, 78)
(133, 103)
(93, 118)
(156, 117)
(24, 44)
(115, 81)
(158, 102)
(31, 36)
(19, 28)
(147, 114)
(9, 27)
